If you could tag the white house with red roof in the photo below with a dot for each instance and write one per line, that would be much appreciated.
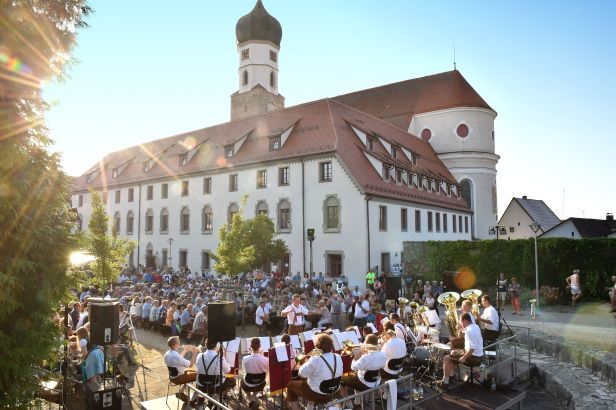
(410, 161)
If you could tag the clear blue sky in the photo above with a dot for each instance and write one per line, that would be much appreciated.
(150, 69)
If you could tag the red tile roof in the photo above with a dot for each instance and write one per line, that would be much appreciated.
(320, 127)
(397, 103)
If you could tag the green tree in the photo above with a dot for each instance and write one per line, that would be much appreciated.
(109, 250)
(36, 38)
(247, 244)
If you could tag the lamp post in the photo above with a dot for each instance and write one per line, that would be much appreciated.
(310, 236)
(497, 230)
(535, 227)
(170, 241)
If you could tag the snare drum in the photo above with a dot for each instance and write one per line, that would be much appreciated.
(422, 331)
(421, 357)
(434, 334)
(439, 351)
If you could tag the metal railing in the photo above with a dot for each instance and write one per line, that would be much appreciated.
(208, 398)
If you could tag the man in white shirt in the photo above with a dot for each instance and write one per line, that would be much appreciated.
(356, 292)
(458, 342)
(399, 328)
(489, 318)
(208, 364)
(473, 351)
(394, 348)
(573, 282)
(176, 360)
(254, 364)
(261, 317)
(368, 365)
(295, 313)
(362, 308)
(322, 369)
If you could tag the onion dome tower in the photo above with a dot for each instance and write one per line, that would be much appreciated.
(258, 44)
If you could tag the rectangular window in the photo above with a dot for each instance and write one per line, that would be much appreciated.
(232, 182)
(445, 223)
(149, 222)
(164, 222)
(283, 176)
(164, 191)
(129, 224)
(382, 218)
(105, 197)
(275, 143)
(466, 224)
(165, 256)
(229, 152)
(394, 152)
(417, 221)
(184, 222)
(325, 171)
(460, 223)
(184, 188)
(385, 172)
(284, 218)
(370, 144)
(403, 220)
(207, 221)
(207, 185)
(332, 217)
(454, 227)
(262, 178)
(183, 258)
(205, 260)
(80, 200)
(183, 159)
(399, 176)
(438, 221)
(150, 193)
(430, 227)
(131, 194)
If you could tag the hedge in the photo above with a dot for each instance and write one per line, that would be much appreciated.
(596, 259)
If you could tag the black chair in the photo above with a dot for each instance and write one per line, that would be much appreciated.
(173, 373)
(208, 384)
(371, 376)
(253, 382)
(394, 365)
(328, 389)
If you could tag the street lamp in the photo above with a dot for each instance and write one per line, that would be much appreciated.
(535, 227)
(170, 241)
(310, 236)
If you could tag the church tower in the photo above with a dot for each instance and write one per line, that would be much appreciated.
(258, 43)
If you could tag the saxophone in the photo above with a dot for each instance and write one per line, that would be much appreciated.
(449, 300)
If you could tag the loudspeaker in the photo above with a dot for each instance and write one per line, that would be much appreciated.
(104, 321)
(221, 321)
(449, 281)
(393, 284)
(104, 399)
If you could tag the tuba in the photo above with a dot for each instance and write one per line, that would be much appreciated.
(402, 302)
(449, 300)
(473, 295)
(421, 316)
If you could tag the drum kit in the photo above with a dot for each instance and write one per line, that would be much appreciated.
(427, 359)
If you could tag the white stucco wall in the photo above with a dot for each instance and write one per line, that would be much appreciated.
(565, 230)
(259, 66)
(517, 218)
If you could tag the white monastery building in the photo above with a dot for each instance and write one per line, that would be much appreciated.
(410, 161)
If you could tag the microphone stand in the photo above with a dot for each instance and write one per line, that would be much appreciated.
(220, 350)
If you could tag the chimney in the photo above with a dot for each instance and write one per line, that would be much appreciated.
(524, 197)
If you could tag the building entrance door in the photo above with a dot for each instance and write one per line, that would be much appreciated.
(385, 266)
(334, 264)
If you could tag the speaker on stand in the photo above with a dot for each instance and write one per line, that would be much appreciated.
(224, 328)
(393, 285)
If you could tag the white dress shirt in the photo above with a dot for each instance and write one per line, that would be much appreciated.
(490, 314)
(259, 316)
(359, 313)
(292, 317)
(395, 348)
(255, 363)
(315, 370)
(400, 331)
(369, 361)
(473, 340)
(173, 359)
(214, 369)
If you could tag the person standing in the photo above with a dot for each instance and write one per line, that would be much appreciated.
(612, 294)
(574, 283)
(295, 313)
(370, 278)
(335, 303)
(260, 317)
(515, 290)
(501, 293)
(360, 314)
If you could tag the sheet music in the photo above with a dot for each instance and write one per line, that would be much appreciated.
(371, 326)
(307, 335)
(281, 352)
(357, 332)
(265, 344)
(432, 317)
(233, 345)
(295, 342)
(340, 338)
(336, 330)
(230, 356)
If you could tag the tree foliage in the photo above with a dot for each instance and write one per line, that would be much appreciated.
(109, 250)
(247, 244)
(36, 38)
(557, 257)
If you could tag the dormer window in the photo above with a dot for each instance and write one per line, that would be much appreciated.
(229, 151)
(370, 144)
(275, 143)
(114, 173)
(414, 159)
(394, 152)
(399, 176)
(183, 159)
(88, 178)
(386, 172)
(146, 166)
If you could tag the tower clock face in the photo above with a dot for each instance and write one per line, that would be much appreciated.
(245, 53)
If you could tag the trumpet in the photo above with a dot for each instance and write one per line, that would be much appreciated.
(301, 359)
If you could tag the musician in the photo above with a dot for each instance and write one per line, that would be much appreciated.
(489, 318)
(367, 363)
(318, 369)
(260, 317)
(473, 351)
(360, 314)
(173, 358)
(403, 315)
(254, 364)
(286, 339)
(394, 348)
(295, 313)
(208, 364)
(400, 329)
(458, 342)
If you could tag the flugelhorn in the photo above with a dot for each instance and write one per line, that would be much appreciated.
(449, 299)
(301, 359)
(473, 295)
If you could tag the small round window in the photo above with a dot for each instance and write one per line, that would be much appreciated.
(426, 134)
(462, 130)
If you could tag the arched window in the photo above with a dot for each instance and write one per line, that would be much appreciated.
(261, 208)
(164, 221)
(284, 215)
(79, 223)
(130, 220)
(467, 192)
(245, 77)
(116, 223)
(231, 212)
(272, 80)
(150, 260)
(331, 214)
(184, 220)
(149, 221)
(206, 219)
